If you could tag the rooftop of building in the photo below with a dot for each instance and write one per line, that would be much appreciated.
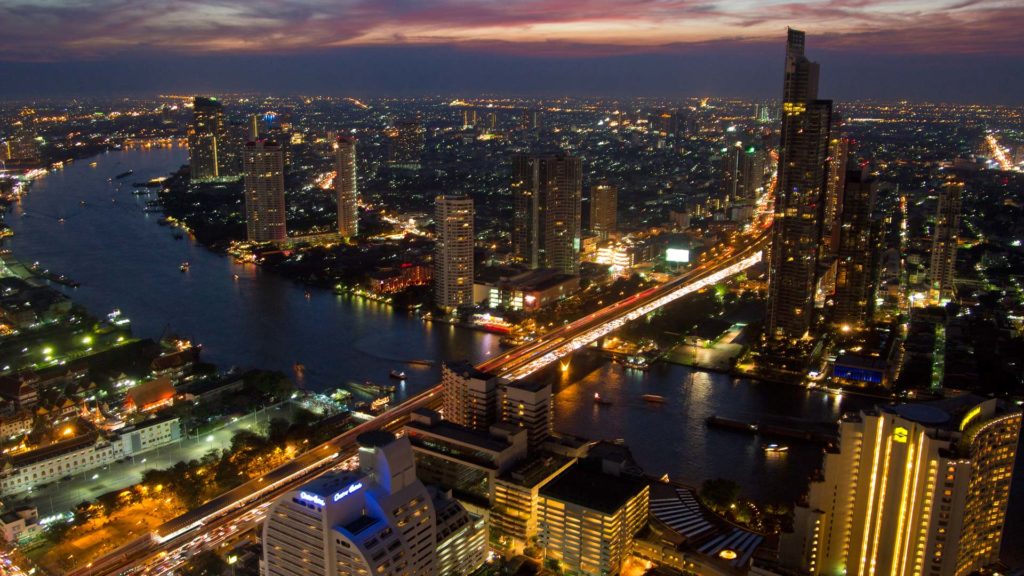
(466, 369)
(332, 483)
(375, 439)
(584, 484)
(528, 385)
(950, 414)
(460, 434)
(535, 469)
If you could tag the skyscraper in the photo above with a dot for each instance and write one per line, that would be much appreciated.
(742, 173)
(377, 520)
(912, 489)
(204, 138)
(947, 232)
(453, 252)
(345, 186)
(264, 191)
(547, 195)
(604, 204)
(854, 280)
(838, 158)
(799, 201)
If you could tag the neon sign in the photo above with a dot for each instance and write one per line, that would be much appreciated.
(900, 435)
(351, 488)
(311, 498)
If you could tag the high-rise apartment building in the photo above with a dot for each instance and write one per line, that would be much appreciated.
(854, 275)
(378, 520)
(547, 195)
(913, 489)
(743, 172)
(406, 143)
(942, 271)
(453, 252)
(799, 198)
(587, 518)
(529, 405)
(604, 206)
(345, 186)
(264, 191)
(205, 139)
(838, 158)
(468, 396)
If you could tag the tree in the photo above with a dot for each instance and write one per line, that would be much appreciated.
(719, 493)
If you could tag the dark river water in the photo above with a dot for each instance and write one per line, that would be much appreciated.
(124, 260)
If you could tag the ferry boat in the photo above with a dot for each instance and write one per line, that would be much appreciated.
(776, 448)
(653, 398)
(184, 266)
(397, 375)
(601, 401)
(124, 174)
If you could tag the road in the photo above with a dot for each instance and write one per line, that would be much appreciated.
(175, 541)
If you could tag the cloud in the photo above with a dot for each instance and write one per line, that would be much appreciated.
(69, 30)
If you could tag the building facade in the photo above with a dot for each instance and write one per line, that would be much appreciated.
(345, 186)
(529, 405)
(604, 205)
(206, 139)
(547, 194)
(453, 252)
(799, 198)
(854, 272)
(469, 396)
(265, 213)
(942, 269)
(912, 489)
(378, 520)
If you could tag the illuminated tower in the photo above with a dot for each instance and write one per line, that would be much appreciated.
(264, 191)
(204, 138)
(854, 280)
(547, 193)
(379, 519)
(800, 196)
(947, 232)
(345, 186)
(453, 252)
(914, 489)
(604, 204)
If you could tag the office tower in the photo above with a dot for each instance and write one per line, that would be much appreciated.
(453, 252)
(911, 489)
(407, 140)
(547, 196)
(942, 271)
(345, 186)
(587, 518)
(204, 138)
(469, 396)
(854, 275)
(742, 172)
(264, 191)
(379, 519)
(604, 205)
(796, 231)
(838, 158)
(529, 405)
(461, 459)
(461, 537)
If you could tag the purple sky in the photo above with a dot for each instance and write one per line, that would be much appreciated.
(963, 50)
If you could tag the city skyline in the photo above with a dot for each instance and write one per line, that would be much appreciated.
(959, 51)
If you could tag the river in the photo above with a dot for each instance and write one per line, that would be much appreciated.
(124, 260)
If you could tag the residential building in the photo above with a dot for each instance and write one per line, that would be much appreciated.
(604, 205)
(547, 197)
(453, 252)
(529, 405)
(469, 396)
(854, 293)
(799, 197)
(513, 518)
(264, 191)
(345, 186)
(946, 234)
(205, 138)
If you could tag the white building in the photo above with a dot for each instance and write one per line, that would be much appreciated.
(379, 520)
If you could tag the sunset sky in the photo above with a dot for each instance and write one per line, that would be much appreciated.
(921, 49)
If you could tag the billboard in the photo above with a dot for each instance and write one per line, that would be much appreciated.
(677, 255)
